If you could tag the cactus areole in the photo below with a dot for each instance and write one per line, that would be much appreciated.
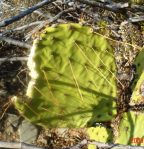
(73, 79)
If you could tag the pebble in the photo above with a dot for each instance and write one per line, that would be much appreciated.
(71, 4)
(13, 119)
(10, 128)
(28, 132)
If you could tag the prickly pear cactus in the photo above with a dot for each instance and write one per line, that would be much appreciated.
(131, 126)
(138, 93)
(131, 129)
(100, 134)
(73, 82)
(138, 85)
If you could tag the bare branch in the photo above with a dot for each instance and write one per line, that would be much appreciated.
(137, 8)
(4, 59)
(116, 7)
(24, 13)
(48, 16)
(104, 145)
(49, 21)
(17, 145)
(21, 28)
(28, 25)
(15, 42)
(21, 145)
(114, 146)
(137, 19)
(112, 6)
(79, 145)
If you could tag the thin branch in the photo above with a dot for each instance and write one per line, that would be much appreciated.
(5, 5)
(51, 20)
(18, 145)
(59, 15)
(21, 28)
(104, 145)
(105, 1)
(137, 8)
(114, 146)
(28, 25)
(112, 6)
(42, 14)
(13, 59)
(15, 42)
(24, 13)
(137, 19)
(21, 145)
(116, 7)
(79, 145)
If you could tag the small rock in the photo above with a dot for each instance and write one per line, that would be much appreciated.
(28, 132)
(13, 119)
(71, 4)
(10, 133)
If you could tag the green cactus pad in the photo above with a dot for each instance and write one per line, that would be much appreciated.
(138, 85)
(100, 134)
(131, 128)
(73, 79)
(138, 93)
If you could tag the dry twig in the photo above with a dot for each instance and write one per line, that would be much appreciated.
(22, 145)
(49, 21)
(21, 28)
(15, 42)
(13, 59)
(104, 145)
(24, 13)
(136, 19)
(116, 7)
(17, 145)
